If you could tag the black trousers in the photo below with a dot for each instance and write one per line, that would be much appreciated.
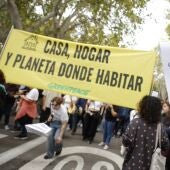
(6, 109)
(90, 124)
(45, 114)
(24, 121)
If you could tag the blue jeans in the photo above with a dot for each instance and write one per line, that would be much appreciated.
(108, 131)
(55, 125)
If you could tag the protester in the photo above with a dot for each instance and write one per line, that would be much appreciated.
(166, 114)
(27, 111)
(91, 120)
(22, 90)
(46, 99)
(100, 127)
(78, 115)
(70, 105)
(58, 122)
(109, 124)
(3, 93)
(133, 115)
(9, 102)
(72, 111)
(166, 122)
(122, 121)
(140, 135)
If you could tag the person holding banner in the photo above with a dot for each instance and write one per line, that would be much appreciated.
(6, 99)
(78, 115)
(58, 122)
(27, 111)
(3, 93)
(91, 120)
(70, 105)
(46, 100)
(109, 125)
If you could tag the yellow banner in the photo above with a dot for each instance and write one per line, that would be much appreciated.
(112, 75)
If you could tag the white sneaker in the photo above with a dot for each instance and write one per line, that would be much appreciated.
(101, 144)
(106, 147)
(6, 127)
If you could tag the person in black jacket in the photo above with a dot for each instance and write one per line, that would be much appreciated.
(6, 99)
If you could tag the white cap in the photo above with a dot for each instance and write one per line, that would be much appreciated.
(33, 95)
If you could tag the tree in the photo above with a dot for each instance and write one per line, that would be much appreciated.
(103, 22)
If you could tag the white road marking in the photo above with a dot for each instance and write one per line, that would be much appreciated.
(13, 153)
(100, 164)
(3, 136)
(40, 163)
(78, 159)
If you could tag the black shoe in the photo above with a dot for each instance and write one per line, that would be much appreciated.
(21, 137)
(47, 157)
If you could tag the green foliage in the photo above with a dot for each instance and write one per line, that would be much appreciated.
(5, 24)
(102, 22)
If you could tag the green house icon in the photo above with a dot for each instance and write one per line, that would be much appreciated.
(30, 43)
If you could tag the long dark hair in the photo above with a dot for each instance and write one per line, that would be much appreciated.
(150, 109)
(2, 77)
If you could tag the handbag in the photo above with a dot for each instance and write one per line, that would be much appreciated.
(158, 160)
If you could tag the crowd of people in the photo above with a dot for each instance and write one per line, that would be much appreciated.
(136, 127)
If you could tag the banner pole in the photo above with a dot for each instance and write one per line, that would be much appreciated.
(6, 41)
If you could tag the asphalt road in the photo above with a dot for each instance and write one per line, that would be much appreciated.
(76, 155)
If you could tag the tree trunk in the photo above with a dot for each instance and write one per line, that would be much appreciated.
(14, 14)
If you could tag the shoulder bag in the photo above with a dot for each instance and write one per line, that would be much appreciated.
(158, 160)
